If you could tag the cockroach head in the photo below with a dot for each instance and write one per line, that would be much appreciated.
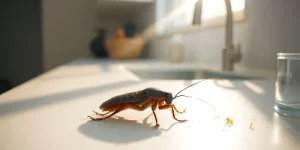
(168, 98)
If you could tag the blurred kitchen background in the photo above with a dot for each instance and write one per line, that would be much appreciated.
(39, 35)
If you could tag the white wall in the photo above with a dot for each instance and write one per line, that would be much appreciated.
(271, 26)
(68, 26)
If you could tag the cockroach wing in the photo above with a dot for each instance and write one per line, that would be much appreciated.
(133, 97)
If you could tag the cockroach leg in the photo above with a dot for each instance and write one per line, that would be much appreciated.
(167, 106)
(153, 107)
(156, 126)
(99, 114)
(98, 119)
(138, 108)
(180, 112)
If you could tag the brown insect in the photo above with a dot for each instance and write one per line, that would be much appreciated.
(141, 100)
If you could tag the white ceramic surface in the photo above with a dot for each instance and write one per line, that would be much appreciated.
(49, 112)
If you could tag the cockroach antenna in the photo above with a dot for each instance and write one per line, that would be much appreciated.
(176, 96)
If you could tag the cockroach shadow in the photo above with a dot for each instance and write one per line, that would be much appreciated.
(119, 130)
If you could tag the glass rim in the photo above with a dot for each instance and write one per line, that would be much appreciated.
(293, 56)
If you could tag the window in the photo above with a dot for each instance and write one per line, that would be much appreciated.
(216, 8)
(176, 14)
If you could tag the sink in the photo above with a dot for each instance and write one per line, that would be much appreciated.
(231, 76)
(161, 74)
(188, 75)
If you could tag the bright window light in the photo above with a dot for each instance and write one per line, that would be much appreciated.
(216, 8)
(175, 14)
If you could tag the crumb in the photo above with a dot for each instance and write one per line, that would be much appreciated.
(251, 126)
(228, 124)
(228, 121)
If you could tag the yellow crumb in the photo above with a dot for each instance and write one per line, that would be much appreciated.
(251, 126)
(229, 121)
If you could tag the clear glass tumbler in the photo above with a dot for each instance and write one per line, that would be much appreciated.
(287, 85)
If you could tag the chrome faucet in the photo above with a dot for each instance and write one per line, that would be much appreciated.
(231, 54)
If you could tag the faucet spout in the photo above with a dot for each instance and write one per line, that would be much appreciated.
(229, 22)
(231, 53)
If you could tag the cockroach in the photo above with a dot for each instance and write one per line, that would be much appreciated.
(141, 100)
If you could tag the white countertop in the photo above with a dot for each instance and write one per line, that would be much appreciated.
(49, 112)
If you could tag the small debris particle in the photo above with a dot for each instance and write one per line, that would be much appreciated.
(251, 126)
(228, 121)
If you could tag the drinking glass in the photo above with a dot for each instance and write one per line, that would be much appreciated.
(287, 86)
